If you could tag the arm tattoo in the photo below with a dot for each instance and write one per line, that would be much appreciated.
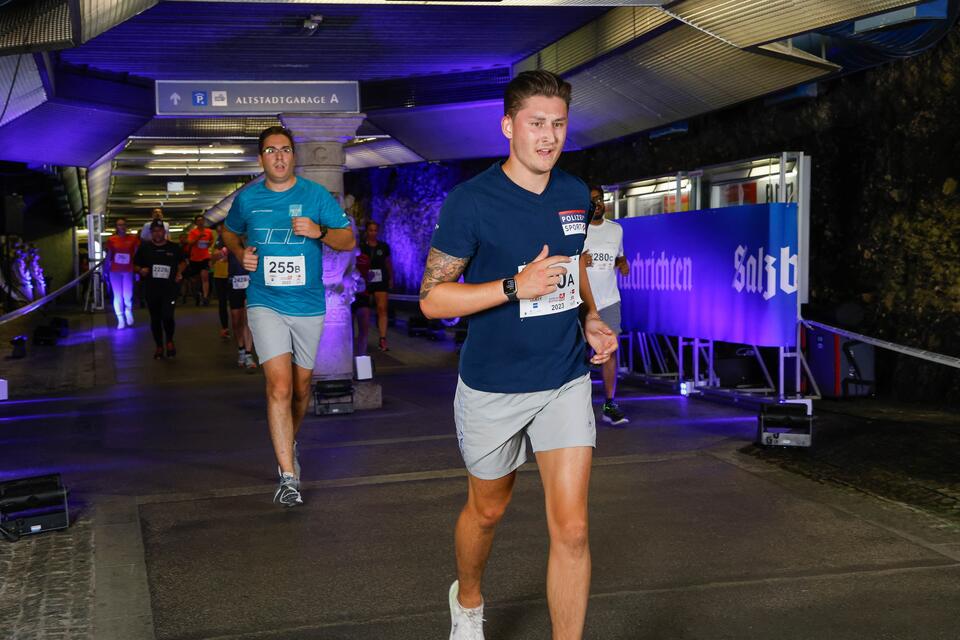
(440, 268)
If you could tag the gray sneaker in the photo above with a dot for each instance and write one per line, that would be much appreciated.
(465, 624)
(296, 462)
(288, 493)
(612, 414)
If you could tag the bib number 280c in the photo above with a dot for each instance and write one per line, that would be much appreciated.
(284, 271)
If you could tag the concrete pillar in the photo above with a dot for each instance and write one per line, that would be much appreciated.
(319, 139)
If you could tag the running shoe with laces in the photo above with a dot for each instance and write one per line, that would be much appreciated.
(383, 345)
(129, 315)
(158, 353)
(171, 349)
(249, 362)
(225, 334)
(612, 414)
(241, 358)
(288, 492)
(465, 624)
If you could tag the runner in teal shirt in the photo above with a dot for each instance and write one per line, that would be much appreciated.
(289, 275)
(276, 230)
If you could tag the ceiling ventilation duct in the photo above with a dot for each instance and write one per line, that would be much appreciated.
(27, 91)
(747, 23)
(44, 25)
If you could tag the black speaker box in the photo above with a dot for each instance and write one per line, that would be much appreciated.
(61, 325)
(11, 216)
(46, 336)
(33, 505)
(332, 397)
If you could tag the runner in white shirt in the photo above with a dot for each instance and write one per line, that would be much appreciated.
(603, 253)
(155, 214)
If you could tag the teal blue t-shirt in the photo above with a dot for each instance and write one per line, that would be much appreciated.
(289, 275)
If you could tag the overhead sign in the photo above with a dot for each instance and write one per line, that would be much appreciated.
(247, 98)
(728, 274)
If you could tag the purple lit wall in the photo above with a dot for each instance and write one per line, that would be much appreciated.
(405, 201)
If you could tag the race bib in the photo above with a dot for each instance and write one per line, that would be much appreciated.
(284, 271)
(161, 271)
(121, 258)
(203, 244)
(565, 298)
(603, 261)
(375, 275)
(241, 282)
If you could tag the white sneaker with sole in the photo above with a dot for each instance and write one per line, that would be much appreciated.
(465, 624)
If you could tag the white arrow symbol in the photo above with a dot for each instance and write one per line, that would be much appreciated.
(175, 98)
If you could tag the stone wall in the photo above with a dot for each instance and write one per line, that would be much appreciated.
(885, 204)
(405, 201)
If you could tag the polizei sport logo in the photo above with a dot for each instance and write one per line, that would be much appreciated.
(574, 221)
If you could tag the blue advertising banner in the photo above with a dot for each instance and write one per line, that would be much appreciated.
(728, 274)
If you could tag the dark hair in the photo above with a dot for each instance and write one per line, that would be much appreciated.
(199, 215)
(534, 83)
(157, 224)
(117, 221)
(275, 130)
(596, 187)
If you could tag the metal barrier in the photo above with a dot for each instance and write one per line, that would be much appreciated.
(36, 304)
(930, 356)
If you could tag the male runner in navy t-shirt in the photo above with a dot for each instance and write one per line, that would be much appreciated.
(515, 233)
(286, 220)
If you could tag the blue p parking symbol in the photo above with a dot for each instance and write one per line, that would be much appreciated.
(199, 98)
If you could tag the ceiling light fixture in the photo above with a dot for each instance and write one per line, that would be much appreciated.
(311, 24)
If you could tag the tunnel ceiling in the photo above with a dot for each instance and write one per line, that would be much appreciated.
(431, 74)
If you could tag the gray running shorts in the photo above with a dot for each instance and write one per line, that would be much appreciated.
(275, 334)
(611, 317)
(496, 430)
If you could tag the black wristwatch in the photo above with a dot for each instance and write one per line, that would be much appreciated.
(510, 289)
(323, 232)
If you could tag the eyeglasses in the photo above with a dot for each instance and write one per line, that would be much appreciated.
(269, 151)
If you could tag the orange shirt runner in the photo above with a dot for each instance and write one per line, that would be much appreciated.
(200, 243)
(121, 250)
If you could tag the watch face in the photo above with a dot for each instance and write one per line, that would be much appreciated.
(509, 286)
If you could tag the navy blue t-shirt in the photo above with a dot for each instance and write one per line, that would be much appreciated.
(499, 226)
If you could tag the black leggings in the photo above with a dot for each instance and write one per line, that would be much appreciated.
(222, 286)
(161, 303)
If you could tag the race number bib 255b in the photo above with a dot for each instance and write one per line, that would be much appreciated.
(565, 298)
(284, 271)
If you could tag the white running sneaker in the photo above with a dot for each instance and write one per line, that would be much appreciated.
(121, 322)
(465, 624)
(129, 317)
(248, 361)
(288, 492)
(241, 358)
